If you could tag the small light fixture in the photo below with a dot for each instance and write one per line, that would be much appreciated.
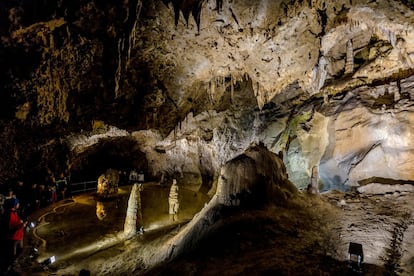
(34, 253)
(49, 261)
(30, 225)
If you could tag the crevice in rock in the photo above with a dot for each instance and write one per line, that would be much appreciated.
(383, 180)
(394, 251)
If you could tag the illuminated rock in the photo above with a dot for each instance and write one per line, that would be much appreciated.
(108, 184)
(173, 200)
(133, 218)
(254, 178)
(100, 210)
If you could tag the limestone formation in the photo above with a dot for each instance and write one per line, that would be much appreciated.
(173, 200)
(133, 218)
(284, 73)
(108, 184)
(185, 88)
(254, 178)
(100, 210)
(313, 187)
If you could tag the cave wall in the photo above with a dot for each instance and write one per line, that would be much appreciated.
(310, 65)
(326, 83)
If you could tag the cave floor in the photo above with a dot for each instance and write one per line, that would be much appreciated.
(308, 235)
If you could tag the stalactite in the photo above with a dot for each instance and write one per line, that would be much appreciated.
(68, 32)
(132, 37)
(349, 63)
(186, 7)
(217, 87)
(319, 74)
(52, 89)
(221, 87)
(133, 33)
(127, 14)
(256, 126)
(212, 89)
(392, 38)
(231, 88)
(119, 67)
(258, 94)
(255, 88)
(388, 34)
(219, 5)
(322, 72)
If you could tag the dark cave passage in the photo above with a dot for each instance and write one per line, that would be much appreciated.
(121, 154)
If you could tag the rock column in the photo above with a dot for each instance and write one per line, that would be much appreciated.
(313, 188)
(133, 217)
(173, 200)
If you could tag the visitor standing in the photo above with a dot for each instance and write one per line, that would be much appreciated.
(15, 231)
(62, 186)
(141, 179)
(133, 177)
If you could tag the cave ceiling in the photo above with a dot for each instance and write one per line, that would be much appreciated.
(222, 73)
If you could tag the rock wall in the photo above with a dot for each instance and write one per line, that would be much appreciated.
(193, 92)
(302, 103)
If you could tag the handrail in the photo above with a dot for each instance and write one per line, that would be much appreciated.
(85, 187)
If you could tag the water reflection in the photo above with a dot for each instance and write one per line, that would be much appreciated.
(100, 210)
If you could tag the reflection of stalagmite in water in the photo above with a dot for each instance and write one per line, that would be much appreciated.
(133, 217)
(100, 210)
(173, 200)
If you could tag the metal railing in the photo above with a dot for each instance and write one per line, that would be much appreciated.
(81, 187)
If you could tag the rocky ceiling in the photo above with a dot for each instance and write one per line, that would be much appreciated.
(188, 85)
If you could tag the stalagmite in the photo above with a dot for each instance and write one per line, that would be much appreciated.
(313, 187)
(173, 201)
(133, 212)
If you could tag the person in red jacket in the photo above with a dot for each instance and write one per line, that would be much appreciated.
(16, 227)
